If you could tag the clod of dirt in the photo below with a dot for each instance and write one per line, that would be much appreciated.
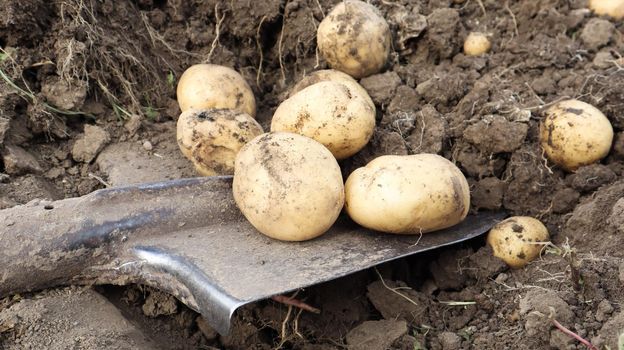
(484, 265)
(4, 126)
(206, 329)
(63, 94)
(609, 333)
(443, 32)
(590, 177)
(429, 132)
(133, 124)
(393, 306)
(476, 164)
(449, 341)
(128, 163)
(405, 100)
(605, 309)
(159, 303)
(89, 144)
(495, 134)
(564, 200)
(446, 269)
(376, 334)
(597, 33)
(616, 219)
(409, 23)
(544, 85)
(70, 318)
(381, 87)
(443, 89)
(26, 188)
(603, 59)
(19, 161)
(487, 193)
(537, 305)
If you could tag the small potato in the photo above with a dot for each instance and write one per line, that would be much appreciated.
(288, 186)
(516, 240)
(574, 133)
(212, 138)
(407, 194)
(476, 44)
(612, 8)
(208, 86)
(337, 115)
(354, 38)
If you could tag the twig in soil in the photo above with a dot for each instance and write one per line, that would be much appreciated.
(99, 179)
(291, 301)
(482, 7)
(457, 303)
(217, 32)
(320, 8)
(572, 334)
(513, 18)
(279, 47)
(283, 335)
(535, 94)
(259, 44)
(394, 290)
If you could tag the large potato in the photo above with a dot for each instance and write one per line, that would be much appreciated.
(288, 186)
(574, 133)
(354, 38)
(326, 75)
(613, 8)
(516, 240)
(208, 86)
(337, 115)
(212, 138)
(407, 194)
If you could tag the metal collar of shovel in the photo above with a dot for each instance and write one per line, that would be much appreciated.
(187, 237)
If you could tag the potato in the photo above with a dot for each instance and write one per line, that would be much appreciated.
(516, 240)
(574, 133)
(288, 186)
(212, 138)
(407, 194)
(354, 38)
(612, 8)
(476, 44)
(337, 115)
(208, 86)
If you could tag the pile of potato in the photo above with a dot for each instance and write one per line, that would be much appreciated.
(288, 182)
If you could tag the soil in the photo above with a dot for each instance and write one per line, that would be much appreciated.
(92, 103)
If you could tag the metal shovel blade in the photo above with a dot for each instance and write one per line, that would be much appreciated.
(188, 238)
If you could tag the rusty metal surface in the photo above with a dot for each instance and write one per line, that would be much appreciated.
(188, 238)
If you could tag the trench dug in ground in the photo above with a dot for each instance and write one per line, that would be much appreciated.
(116, 63)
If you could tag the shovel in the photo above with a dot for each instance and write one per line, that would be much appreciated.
(187, 237)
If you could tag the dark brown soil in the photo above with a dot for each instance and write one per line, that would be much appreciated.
(99, 77)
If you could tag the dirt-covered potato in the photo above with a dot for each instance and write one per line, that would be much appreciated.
(212, 138)
(354, 38)
(612, 8)
(516, 240)
(476, 44)
(574, 133)
(337, 115)
(288, 186)
(207, 86)
(407, 194)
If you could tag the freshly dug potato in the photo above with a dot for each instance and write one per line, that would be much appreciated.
(207, 86)
(516, 240)
(288, 186)
(476, 44)
(574, 133)
(612, 8)
(354, 38)
(407, 194)
(212, 138)
(337, 115)
(327, 75)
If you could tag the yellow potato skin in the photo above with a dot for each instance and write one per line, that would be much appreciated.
(407, 194)
(208, 86)
(354, 38)
(513, 240)
(612, 8)
(335, 114)
(326, 75)
(476, 44)
(212, 138)
(574, 133)
(288, 186)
